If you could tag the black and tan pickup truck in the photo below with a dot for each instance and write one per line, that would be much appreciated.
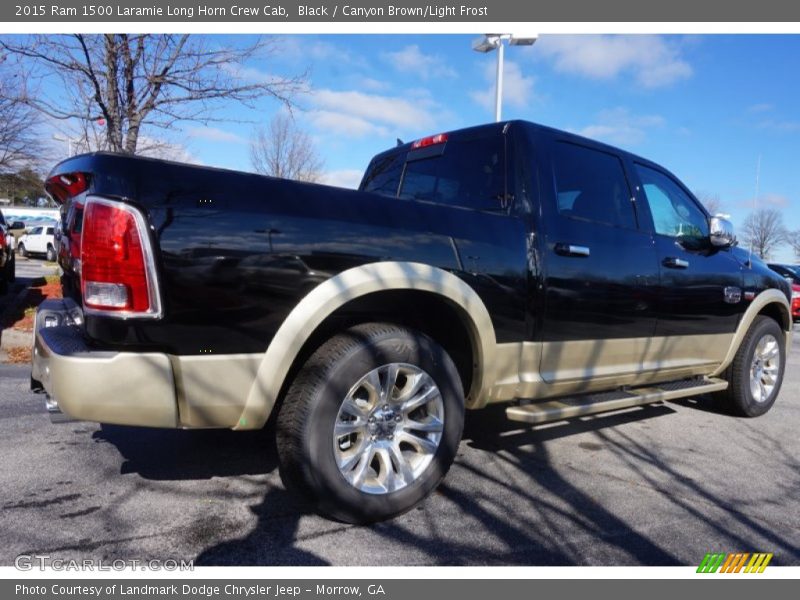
(506, 263)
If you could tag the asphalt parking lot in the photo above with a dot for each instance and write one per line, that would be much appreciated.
(658, 485)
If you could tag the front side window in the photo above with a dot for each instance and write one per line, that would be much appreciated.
(36, 231)
(591, 186)
(675, 214)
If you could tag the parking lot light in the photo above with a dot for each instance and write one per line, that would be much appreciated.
(494, 41)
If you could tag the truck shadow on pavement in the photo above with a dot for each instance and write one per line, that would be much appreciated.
(506, 501)
(177, 454)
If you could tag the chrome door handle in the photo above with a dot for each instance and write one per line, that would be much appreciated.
(673, 262)
(572, 250)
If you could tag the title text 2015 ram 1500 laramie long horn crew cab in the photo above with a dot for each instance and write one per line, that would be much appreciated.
(502, 263)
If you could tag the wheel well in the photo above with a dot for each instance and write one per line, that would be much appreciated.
(774, 311)
(427, 312)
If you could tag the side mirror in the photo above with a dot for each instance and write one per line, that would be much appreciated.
(721, 232)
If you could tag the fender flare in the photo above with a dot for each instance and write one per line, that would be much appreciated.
(333, 293)
(770, 296)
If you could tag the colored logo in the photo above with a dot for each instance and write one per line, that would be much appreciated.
(743, 562)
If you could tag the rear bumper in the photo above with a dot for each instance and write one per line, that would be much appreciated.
(108, 387)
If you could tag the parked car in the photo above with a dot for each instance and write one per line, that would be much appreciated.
(792, 274)
(17, 230)
(506, 263)
(7, 262)
(39, 240)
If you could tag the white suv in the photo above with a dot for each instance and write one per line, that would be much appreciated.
(38, 240)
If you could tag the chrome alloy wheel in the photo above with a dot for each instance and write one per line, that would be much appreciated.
(388, 428)
(765, 368)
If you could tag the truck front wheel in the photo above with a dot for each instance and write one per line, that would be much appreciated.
(371, 423)
(756, 373)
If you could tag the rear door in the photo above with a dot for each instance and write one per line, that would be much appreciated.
(600, 266)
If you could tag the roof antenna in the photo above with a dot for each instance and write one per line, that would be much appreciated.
(755, 205)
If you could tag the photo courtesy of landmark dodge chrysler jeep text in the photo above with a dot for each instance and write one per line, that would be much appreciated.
(503, 263)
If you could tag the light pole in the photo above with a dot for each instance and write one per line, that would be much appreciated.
(494, 41)
(67, 139)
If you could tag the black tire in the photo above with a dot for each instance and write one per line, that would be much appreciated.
(739, 398)
(21, 250)
(51, 253)
(311, 406)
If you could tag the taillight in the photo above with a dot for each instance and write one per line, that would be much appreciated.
(117, 271)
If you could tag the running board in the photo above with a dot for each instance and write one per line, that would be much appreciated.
(589, 404)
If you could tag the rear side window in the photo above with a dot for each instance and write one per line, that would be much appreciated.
(675, 214)
(50, 231)
(591, 185)
(470, 173)
(383, 175)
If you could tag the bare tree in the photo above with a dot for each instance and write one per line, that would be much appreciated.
(125, 83)
(284, 150)
(764, 231)
(793, 238)
(712, 202)
(19, 139)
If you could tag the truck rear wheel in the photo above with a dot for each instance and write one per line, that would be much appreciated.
(371, 423)
(756, 373)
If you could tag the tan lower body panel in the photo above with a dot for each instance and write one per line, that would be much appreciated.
(123, 389)
(212, 390)
(552, 369)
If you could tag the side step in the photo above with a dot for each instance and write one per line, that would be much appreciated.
(589, 404)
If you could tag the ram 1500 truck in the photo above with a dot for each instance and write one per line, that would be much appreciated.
(507, 263)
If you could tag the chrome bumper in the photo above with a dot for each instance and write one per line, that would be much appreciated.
(123, 388)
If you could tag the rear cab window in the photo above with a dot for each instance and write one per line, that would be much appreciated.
(466, 172)
(591, 186)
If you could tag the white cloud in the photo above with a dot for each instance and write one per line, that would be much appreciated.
(214, 134)
(651, 60)
(766, 201)
(346, 178)
(296, 49)
(412, 60)
(375, 109)
(372, 85)
(339, 123)
(760, 108)
(517, 87)
(166, 150)
(619, 126)
(780, 126)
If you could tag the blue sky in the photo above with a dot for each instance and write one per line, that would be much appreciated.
(703, 106)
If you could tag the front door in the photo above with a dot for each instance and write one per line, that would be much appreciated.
(700, 295)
